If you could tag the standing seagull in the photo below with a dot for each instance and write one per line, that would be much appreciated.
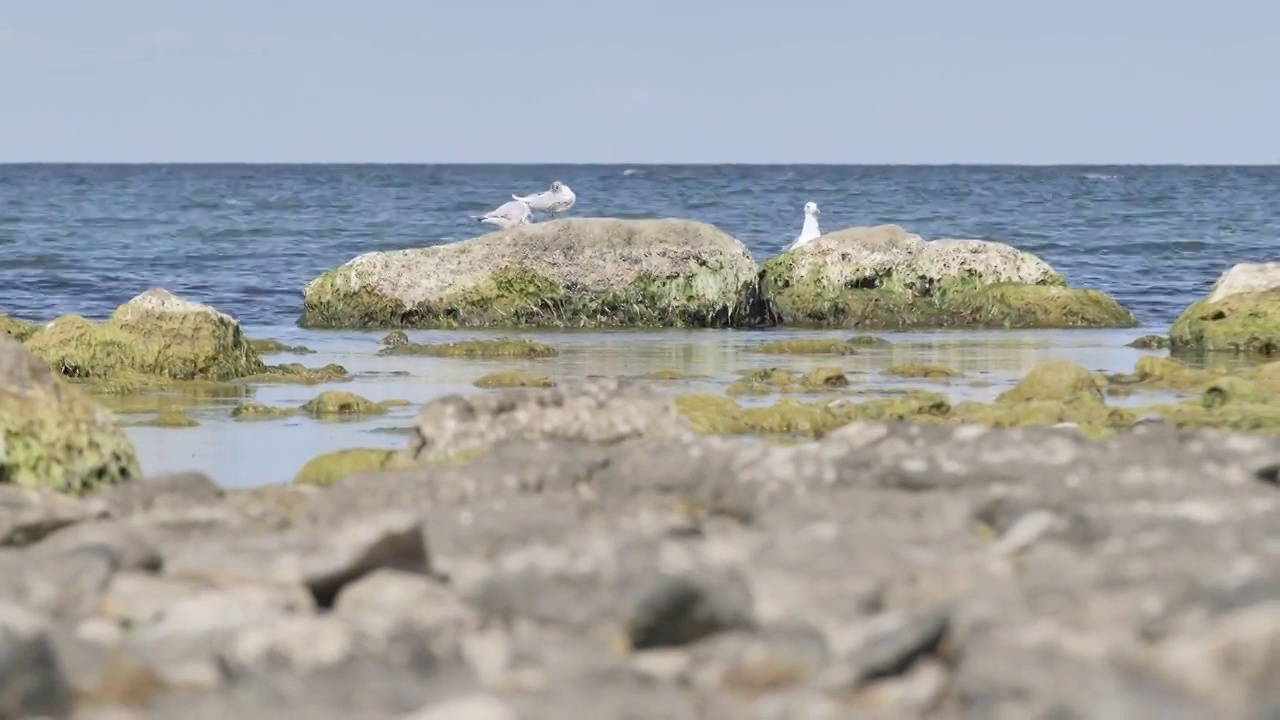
(555, 201)
(809, 230)
(508, 214)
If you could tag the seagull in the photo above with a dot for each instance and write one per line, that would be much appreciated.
(555, 201)
(508, 214)
(810, 229)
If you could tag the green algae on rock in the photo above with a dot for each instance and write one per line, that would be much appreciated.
(1241, 314)
(331, 467)
(886, 277)
(577, 272)
(671, 375)
(52, 435)
(339, 403)
(268, 346)
(17, 329)
(395, 337)
(259, 411)
(1060, 381)
(922, 370)
(766, 381)
(1150, 342)
(514, 379)
(717, 415)
(170, 419)
(299, 374)
(808, 347)
(155, 334)
(494, 348)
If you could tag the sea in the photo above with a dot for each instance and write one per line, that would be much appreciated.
(246, 239)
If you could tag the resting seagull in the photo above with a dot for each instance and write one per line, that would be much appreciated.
(508, 214)
(555, 201)
(809, 230)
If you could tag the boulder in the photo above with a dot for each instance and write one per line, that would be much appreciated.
(597, 272)
(1240, 314)
(17, 329)
(157, 334)
(52, 435)
(886, 277)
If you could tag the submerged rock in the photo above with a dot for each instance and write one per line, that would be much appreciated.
(331, 467)
(514, 379)
(51, 434)
(1241, 314)
(922, 370)
(576, 272)
(766, 381)
(259, 411)
(337, 402)
(268, 346)
(886, 277)
(1150, 342)
(811, 347)
(492, 348)
(155, 334)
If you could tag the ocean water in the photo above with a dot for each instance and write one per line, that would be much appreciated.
(246, 239)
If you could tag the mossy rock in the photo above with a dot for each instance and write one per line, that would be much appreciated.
(259, 411)
(884, 277)
(269, 346)
(154, 334)
(495, 348)
(514, 379)
(1150, 342)
(714, 414)
(1247, 323)
(766, 381)
(52, 435)
(395, 337)
(17, 329)
(579, 272)
(1058, 381)
(170, 419)
(331, 403)
(671, 375)
(808, 347)
(331, 467)
(923, 371)
(299, 374)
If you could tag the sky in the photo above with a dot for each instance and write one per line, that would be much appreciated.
(641, 81)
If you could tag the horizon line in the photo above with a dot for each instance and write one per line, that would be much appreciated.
(4, 163)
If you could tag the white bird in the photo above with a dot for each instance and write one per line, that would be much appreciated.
(809, 230)
(555, 201)
(508, 214)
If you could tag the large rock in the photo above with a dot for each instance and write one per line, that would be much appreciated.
(602, 411)
(1240, 314)
(52, 435)
(155, 334)
(886, 277)
(574, 272)
(17, 329)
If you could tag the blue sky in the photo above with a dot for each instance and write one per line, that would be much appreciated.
(776, 81)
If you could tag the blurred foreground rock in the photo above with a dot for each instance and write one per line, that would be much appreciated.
(632, 570)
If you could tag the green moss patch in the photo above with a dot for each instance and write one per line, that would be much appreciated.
(808, 347)
(766, 381)
(923, 371)
(331, 467)
(514, 379)
(268, 346)
(259, 411)
(17, 329)
(1248, 323)
(335, 403)
(495, 348)
(298, 374)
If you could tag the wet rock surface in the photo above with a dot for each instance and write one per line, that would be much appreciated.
(628, 567)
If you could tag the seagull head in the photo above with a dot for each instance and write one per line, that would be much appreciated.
(557, 186)
(811, 208)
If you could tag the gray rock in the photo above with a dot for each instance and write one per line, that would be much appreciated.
(28, 515)
(60, 585)
(162, 493)
(598, 411)
(322, 558)
(32, 683)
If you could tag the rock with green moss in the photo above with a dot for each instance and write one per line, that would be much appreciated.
(332, 403)
(156, 334)
(331, 467)
(1241, 314)
(886, 277)
(504, 348)
(17, 329)
(1150, 342)
(514, 379)
(578, 272)
(811, 346)
(51, 434)
(259, 411)
(269, 346)
(766, 381)
(1059, 381)
(299, 374)
(395, 337)
(922, 371)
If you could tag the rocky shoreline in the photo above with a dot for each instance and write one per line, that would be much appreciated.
(581, 551)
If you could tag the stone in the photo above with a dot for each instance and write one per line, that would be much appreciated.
(28, 515)
(54, 436)
(467, 707)
(331, 467)
(32, 682)
(597, 411)
(61, 585)
(173, 492)
(323, 559)
(1241, 314)
(570, 272)
(885, 277)
(156, 334)
(17, 329)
